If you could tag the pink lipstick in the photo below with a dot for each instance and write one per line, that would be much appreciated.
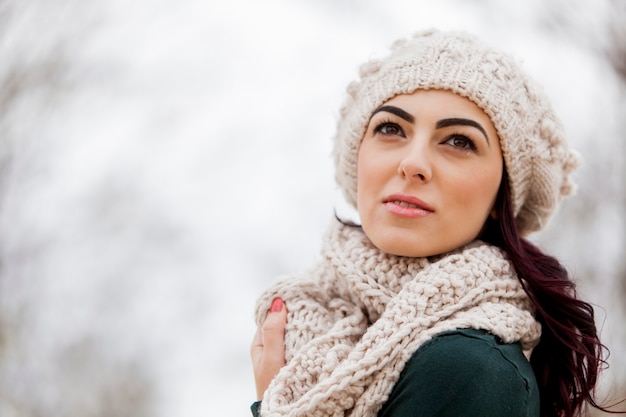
(408, 206)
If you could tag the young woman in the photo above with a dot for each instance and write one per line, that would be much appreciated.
(435, 305)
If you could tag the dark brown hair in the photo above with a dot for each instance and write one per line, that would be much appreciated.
(569, 356)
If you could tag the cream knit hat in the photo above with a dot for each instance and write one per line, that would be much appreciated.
(537, 158)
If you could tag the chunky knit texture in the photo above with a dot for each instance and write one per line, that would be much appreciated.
(536, 155)
(357, 316)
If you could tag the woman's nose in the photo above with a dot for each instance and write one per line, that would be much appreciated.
(416, 163)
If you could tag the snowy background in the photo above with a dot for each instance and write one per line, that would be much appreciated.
(162, 161)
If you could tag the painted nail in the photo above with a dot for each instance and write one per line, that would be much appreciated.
(277, 305)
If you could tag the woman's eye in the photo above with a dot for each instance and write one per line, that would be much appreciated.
(390, 129)
(460, 141)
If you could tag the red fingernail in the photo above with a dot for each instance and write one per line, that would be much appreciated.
(277, 305)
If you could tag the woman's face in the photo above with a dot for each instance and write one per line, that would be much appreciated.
(429, 169)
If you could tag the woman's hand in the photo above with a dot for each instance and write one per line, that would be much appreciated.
(268, 347)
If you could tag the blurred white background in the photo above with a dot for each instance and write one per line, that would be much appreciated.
(162, 161)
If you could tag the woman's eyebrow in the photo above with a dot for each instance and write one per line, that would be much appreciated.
(457, 121)
(454, 121)
(397, 111)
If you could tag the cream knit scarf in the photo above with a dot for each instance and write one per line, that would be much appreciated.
(357, 317)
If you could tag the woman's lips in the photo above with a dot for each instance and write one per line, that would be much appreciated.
(408, 206)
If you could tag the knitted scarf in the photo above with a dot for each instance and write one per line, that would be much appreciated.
(358, 315)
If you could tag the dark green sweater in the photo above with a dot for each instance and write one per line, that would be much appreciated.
(467, 373)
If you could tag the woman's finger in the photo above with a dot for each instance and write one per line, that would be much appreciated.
(273, 331)
(268, 347)
(256, 349)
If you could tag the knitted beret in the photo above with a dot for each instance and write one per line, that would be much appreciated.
(536, 156)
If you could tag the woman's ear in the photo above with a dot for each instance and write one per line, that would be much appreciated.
(493, 214)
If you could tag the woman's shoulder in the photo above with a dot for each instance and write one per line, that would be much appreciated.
(465, 372)
(476, 348)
